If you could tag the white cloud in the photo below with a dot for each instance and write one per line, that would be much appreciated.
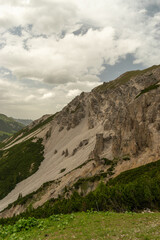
(73, 93)
(68, 43)
(21, 100)
(47, 95)
(70, 59)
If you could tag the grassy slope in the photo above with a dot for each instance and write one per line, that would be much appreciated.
(124, 78)
(21, 160)
(18, 163)
(26, 131)
(25, 122)
(4, 135)
(148, 89)
(134, 189)
(8, 126)
(150, 170)
(88, 226)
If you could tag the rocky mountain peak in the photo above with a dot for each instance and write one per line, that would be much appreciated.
(113, 128)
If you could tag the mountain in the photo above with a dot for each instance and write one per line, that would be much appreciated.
(8, 126)
(25, 122)
(100, 134)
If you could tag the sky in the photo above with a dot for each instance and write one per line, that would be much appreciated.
(52, 50)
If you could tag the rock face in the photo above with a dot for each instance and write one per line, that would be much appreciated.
(72, 114)
(116, 119)
(99, 147)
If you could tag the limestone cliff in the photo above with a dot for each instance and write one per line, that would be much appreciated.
(113, 128)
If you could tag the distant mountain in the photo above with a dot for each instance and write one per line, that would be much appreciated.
(25, 122)
(8, 126)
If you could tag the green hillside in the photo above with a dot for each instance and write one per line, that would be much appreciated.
(8, 126)
(94, 216)
(124, 78)
(25, 122)
(132, 190)
(86, 226)
(16, 166)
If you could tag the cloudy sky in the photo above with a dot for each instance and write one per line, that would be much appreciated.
(51, 50)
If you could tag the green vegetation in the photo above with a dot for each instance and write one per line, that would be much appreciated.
(107, 161)
(83, 182)
(31, 196)
(4, 135)
(26, 131)
(133, 190)
(63, 170)
(86, 226)
(124, 78)
(40, 125)
(18, 163)
(126, 158)
(130, 192)
(25, 122)
(148, 171)
(148, 89)
(8, 126)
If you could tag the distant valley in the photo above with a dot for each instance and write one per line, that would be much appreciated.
(9, 126)
(25, 122)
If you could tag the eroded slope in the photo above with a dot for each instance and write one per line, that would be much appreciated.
(118, 121)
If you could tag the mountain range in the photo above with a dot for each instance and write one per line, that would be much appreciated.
(99, 134)
(8, 126)
(25, 122)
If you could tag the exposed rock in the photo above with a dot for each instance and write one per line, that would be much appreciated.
(83, 143)
(73, 113)
(99, 147)
(74, 151)
(66, 153)
(116, 119)
(61, 128)
(63, 153)
(99, 144)
(90, 123)
(48, 134)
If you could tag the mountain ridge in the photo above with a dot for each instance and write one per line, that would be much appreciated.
(109, 123)
(25, 122)
(8, 126)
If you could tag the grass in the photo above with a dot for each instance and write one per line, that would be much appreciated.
(97, 177)
(148, 89)
(26, 131)
(122, 193)
(6, 119)
(8, 126)
(18, 163)
(4, 135)
(87, 226)
(32, 197)
(124, 78)
(149, 170)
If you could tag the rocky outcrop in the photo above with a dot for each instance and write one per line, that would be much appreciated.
(81, 144)
(117, 123)
(99, 147)
(73, 113)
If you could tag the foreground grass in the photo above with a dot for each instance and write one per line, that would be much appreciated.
(93, 226)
